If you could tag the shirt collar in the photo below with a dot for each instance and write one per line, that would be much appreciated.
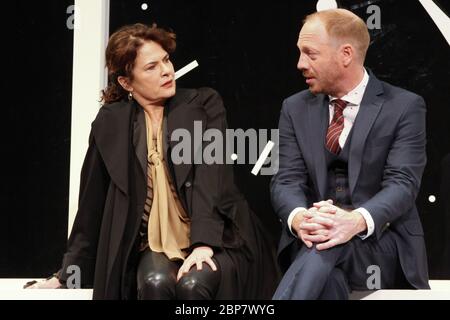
(354, 97)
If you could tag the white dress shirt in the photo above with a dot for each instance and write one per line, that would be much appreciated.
(353, 99)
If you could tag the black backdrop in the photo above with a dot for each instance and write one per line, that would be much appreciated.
(247, 51)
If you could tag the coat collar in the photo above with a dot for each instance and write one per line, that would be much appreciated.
(110, 134)
(176, 115)
(181, 113)
(115, 120)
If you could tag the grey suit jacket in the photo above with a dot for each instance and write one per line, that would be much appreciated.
(386, 162)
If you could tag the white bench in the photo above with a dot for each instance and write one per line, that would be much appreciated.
(11, 289)
(440, 290)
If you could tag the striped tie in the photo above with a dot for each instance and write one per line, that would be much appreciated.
(336, 126)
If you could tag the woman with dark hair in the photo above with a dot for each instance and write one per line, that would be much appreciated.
(148, 227)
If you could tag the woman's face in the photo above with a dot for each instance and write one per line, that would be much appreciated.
(153, 75)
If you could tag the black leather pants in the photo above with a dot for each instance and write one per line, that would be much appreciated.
(157, 279)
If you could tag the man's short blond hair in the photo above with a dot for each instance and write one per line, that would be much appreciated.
(344, 25)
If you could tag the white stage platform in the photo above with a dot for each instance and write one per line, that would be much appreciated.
(440, 290)
(11, 289)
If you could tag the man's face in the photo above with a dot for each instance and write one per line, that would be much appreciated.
(318, 60)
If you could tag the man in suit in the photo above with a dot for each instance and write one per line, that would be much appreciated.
(352, 153)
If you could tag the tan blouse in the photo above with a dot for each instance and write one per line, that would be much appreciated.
(165, 224)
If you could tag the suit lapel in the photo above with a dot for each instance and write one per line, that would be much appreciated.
(181, 114)
(140, 138)
(318, 113)
(368, 112)
(176, 115)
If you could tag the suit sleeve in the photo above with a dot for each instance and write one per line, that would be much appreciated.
(207, 225)
(288, 187)
(82, 243)
(403, 169)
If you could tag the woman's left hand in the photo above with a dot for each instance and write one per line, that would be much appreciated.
(197, 256)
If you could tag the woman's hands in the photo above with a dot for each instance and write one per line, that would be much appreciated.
(52, 283)
(197, 256)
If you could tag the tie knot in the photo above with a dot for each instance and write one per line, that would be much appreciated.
(339, 105)
(154, 157)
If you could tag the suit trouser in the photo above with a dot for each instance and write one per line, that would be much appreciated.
(156, 279)
(333, 273)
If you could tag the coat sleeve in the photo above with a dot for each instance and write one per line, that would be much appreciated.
(403, 169)
(207, 225)
(82, 243)
(288, 187)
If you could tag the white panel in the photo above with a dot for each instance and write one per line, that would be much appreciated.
(89, 78)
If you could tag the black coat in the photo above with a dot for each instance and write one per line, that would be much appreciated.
(104, 238)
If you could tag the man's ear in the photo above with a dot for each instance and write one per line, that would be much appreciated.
(125, 83)
(347, 53)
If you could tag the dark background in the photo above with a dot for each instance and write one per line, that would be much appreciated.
(247, 51)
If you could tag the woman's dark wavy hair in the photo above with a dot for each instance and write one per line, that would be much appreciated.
(121, 53)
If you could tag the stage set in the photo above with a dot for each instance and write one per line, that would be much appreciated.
(245, 50)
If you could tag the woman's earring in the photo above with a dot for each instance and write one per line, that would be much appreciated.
(130, 96)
